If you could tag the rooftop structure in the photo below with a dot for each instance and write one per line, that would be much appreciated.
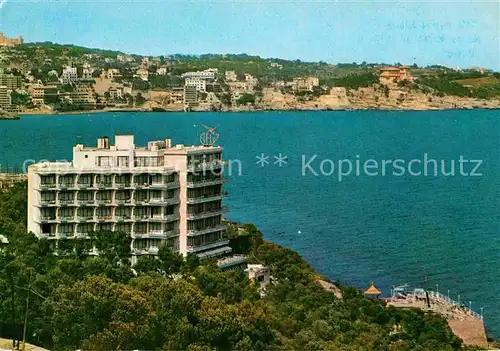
(206, 74)
(260, 274)
(156, 194)
(392, 75)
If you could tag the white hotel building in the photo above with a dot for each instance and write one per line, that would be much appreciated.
(157, 194)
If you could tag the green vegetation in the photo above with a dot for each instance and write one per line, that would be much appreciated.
(246, 99)
(355, 80)
(48, 59)
(73, 301)
(466, 84)
(19, 98)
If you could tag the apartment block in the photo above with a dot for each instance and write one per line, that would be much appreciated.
(68, 75)
(11, 81)
(156, 194)
(5, 99)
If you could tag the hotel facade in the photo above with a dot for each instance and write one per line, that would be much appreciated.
(156, 194)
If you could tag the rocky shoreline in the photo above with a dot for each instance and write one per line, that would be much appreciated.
(8, 115)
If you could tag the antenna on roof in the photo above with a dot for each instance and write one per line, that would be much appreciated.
(209, 137)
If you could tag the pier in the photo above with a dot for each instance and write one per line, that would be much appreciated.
(463, 321)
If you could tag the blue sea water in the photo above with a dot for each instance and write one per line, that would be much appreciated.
(416, 229)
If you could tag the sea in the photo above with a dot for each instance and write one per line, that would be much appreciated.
(388, 197)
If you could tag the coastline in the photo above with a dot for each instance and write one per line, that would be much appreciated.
(244, 110)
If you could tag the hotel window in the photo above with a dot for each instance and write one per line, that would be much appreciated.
(85, 180)
(66, 229)
(122, 161)
(85, 196)
(123, 195)
(141, 244)
(85, 228)
(66, 196)
(170, 210)
(104, 195)
(140, 212)
(48, 196)
(173, 243)
(140, 228)
(104, 179)
(157, 179)
(104, 227)
(104, 161)
(49, 212)
(122, 179)
(171, 178)
(48, 180)
(66, 212)
(142, 161)
(103, 212)
(156, 211)
(67, 180)
(123, 227)
(86, 212)
(141, 195)
(155, 194)
(123, 212)
(155, 226)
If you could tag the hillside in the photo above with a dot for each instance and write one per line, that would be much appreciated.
(173, 303)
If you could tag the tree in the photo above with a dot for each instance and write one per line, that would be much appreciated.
(246, 99)
(139, 99)
(19, 98)
(107, 95)
(114, 246)
(118, 319)
(170, 262)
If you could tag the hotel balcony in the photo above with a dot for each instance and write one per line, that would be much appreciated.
(206, 230)
(201, 166)
(145, 251)
(104, 218)
(66, 186)
(122, 185)
(206, 214)
(159, 201)
(85, 185)
(85, 219)
(86, 202)
(65, 219)
(161, 234)
(163, 218)
(65, 235)
(205, 198)
(202, 183)
(124, 202)
(123, 218)
(48, 203)
(48, 186)
(204, 247)
(66, 202)
(103, 185)
(104, 202)
(48, 219)
(168, 185)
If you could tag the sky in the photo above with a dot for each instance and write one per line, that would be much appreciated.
(455, 34)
